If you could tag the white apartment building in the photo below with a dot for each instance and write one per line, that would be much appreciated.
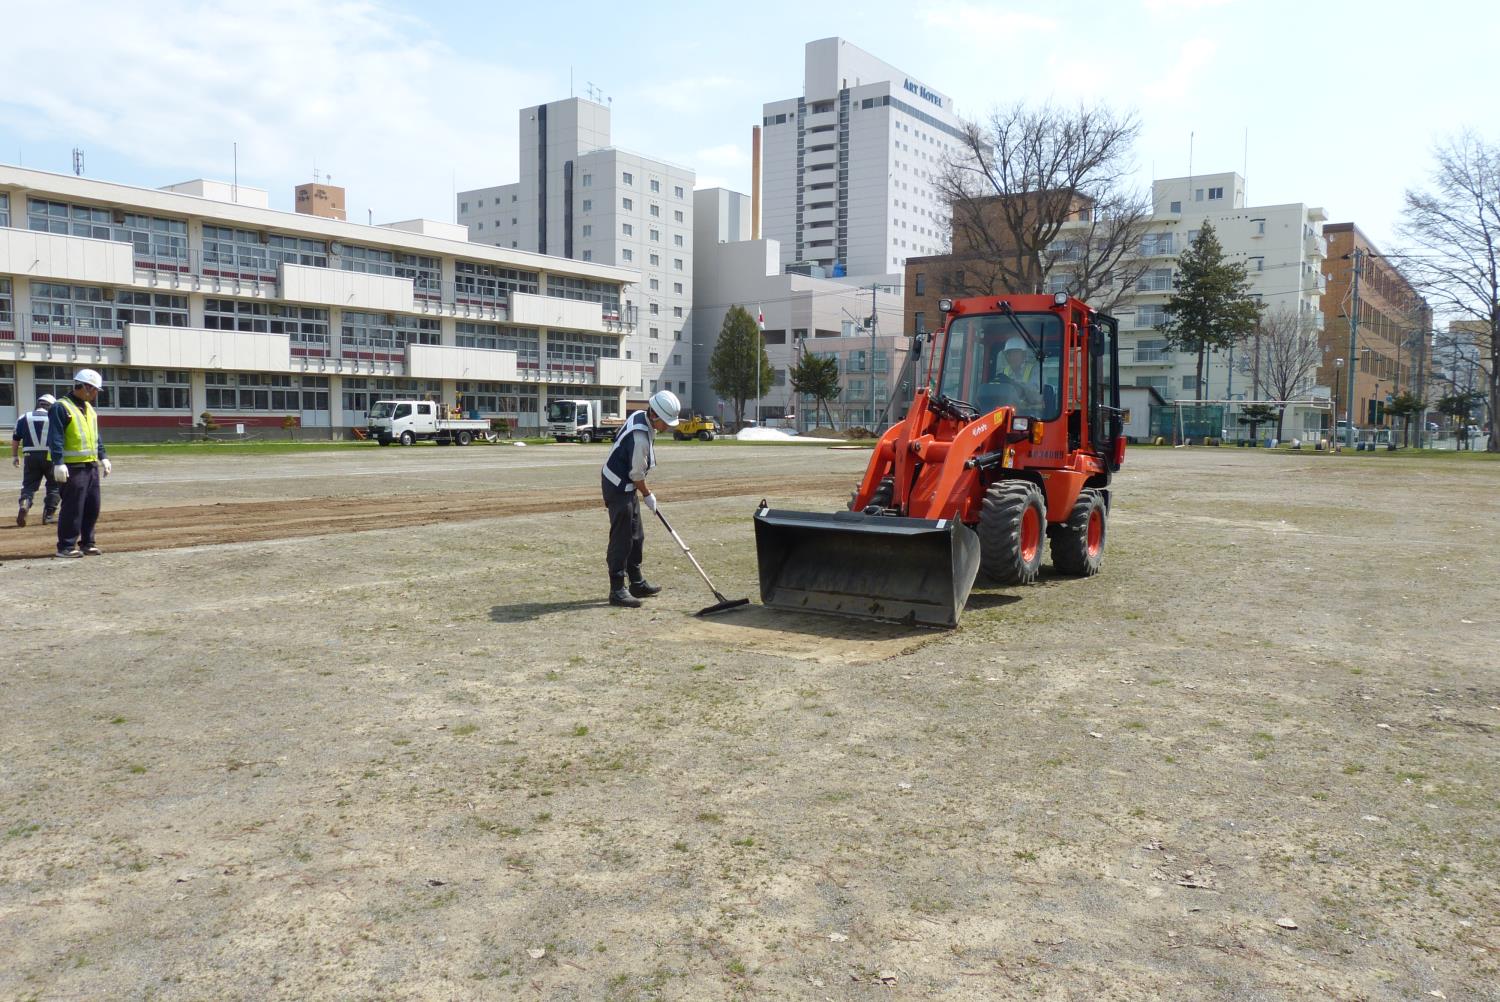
(1282, 248)
(803, 313)
(850, 165)
(200, 298)
(585, 200)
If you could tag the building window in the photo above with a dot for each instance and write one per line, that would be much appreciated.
(137, 307)
(627, 203)
(588, 255)
(655, 209)
(654, 309)
(489, 284)
(1176, 207)
(655, 260)
(588, 205)
(627, 178)
(655, 358)
(5, 209)
(676, 215)
(655, 185)
(677, 288)
(677, 263)
(677, 191)
(606, 294)
(655, 234)
(588, 182)
(1260, 227)
(655, 332)
(677, 311)
(57, 307)
(588, 230)
(919, 321)
(479, 226)
(921, 280)
(655, 284)
(677, 239)
(627, 229)
(627, 255)
(676, 359)
(306, 326)
(463, 206)
(1215, 193)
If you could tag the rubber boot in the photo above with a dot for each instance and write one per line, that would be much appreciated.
(620, 595)
(21, 514)
(641, 588)
(49, 516)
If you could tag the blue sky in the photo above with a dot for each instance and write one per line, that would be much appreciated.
(401, 101)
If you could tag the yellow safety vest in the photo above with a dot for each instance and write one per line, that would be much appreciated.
(1028, 370)
(81, 436)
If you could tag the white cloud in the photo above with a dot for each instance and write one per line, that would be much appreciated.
(365, 93)
(1178, 6)
(724, 157)
(1192, 57)
(689, 94)
(986, 22)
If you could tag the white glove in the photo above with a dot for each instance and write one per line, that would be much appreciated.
(108, 469)
(60, 473)
(650, 501)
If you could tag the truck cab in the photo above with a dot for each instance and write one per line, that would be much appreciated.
(580, 421)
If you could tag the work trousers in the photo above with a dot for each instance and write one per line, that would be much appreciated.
(80, 506)
(626, 536)
(34, 469)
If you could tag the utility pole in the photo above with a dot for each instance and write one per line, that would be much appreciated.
(1356, 255)
(1421, 381)
(873, 315)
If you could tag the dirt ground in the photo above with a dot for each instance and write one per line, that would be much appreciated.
(367, 730)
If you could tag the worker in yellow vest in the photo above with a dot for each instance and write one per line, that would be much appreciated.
(78, 462)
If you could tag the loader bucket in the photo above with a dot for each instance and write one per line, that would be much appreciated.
(904, 570)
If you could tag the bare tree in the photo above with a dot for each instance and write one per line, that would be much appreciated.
(1455, 224)
(1285, 358)
(1035, 191)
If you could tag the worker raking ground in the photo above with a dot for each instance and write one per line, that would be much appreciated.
(631, 459)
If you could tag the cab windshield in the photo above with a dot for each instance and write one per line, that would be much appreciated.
(381, 410)
(560, 410)
(993, 360)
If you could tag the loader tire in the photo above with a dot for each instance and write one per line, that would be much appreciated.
(884, 492)
(1012, 522)
(1078, 543)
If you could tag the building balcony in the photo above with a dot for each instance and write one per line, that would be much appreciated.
(1147, 356)
(1315, 246)
(150, 346)
(821, 120)
(431, 361)
(819, 159)
(41, 339)
(560, 314)
(825, 214)
(618, 372)
(350, 290)
(58, 257)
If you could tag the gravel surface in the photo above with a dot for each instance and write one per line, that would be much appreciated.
(1255, 758)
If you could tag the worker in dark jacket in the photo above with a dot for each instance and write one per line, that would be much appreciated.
(623, 480)
(78, 462)
(28, 450)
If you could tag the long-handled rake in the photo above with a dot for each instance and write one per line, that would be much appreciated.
(724, 604)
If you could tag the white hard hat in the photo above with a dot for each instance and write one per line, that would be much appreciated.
(666, 406)
(46, 398)
(1016, 343)
(89, 377)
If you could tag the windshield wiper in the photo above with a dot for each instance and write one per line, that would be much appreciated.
(1010, 314)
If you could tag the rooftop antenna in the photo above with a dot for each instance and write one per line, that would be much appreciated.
(78, 161)
(234, 188)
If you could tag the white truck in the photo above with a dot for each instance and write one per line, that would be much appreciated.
(409, 421)
(580, 421)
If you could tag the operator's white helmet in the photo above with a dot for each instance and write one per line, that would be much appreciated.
(666, 406)
(88, 377)
(1017, 343)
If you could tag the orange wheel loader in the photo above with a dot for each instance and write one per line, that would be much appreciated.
(1014, 437)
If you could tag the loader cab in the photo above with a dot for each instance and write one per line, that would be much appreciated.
(999, 360)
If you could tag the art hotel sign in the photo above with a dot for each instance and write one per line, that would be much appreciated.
(924, 93)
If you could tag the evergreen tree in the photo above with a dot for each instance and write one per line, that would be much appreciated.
(817, 378)
(1212, 308)
(732, 368)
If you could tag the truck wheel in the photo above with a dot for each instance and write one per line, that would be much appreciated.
(407, 438)
(706, 436)
(464, 438)
(1011, 523)
(1078, 543)
(585, 437)
(884, 492)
